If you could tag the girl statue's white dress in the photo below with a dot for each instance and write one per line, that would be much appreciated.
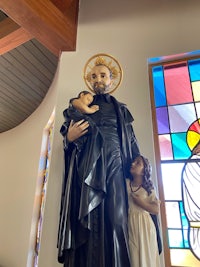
(142, 232)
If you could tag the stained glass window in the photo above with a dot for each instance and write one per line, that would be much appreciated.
(40, 193)
(176, 101)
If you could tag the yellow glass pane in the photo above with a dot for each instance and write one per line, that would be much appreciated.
(196, 90)
(192, 139)
(183, 257)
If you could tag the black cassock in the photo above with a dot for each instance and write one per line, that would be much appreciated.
(93, 216)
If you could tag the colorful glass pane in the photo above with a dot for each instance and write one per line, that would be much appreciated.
(181, 116)
(159, 88)
(196, 90)
(162, 120)
(175, 238)
(180, 147)
(177, 106)
(183, 257)
(193, 134)
(183, 217)
(165, 147)
(173, 215)
(171, 175)
(185, 238)
(177, 83)
(194, 69)
(197, 106)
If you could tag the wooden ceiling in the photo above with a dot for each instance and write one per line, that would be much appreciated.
(32, 36)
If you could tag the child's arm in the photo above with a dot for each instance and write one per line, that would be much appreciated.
(92, 109)
(148, 204)
(84, 108)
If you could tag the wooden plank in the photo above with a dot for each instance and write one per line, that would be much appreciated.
(17, 84)
(43, 20)
(40, 56)
(69, 8)
(52, 58)
(21, 57)
(27, 107)
(14, 114)
(19, 95)
(62, 4)
(16, 92)
(16, 101)
(22, 71)
(36, 62)
(7, 26)
(19, 78)
(13, 40)
(14, 110)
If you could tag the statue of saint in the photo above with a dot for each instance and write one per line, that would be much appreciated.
(98, 150)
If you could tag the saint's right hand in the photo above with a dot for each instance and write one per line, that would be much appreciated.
(77, 129)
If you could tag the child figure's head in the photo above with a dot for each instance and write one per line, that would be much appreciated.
(142, 167)
(86, 97)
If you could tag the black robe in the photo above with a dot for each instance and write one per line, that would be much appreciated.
(84, 193)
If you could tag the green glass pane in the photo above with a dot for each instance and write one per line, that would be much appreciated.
(159, 87)
(180, 147)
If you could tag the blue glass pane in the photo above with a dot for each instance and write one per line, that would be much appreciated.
(162, 120)
(183, 217)
(194, 69)
(159, 87)
(154, 59)
(196, 52)
(185, 237)
(180, 147)
(175, 239)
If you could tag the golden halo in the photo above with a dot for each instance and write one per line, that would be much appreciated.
(111, 63)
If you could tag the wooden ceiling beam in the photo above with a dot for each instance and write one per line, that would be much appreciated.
(63, 5)
(7, 26)
(44, 21)
(14, 39)
(11, 35)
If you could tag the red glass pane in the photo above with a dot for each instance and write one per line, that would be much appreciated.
(178, 87)
(165, 147)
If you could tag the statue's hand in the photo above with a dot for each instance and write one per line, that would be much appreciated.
(77, 129)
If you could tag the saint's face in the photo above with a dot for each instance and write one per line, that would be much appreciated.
(100, 79)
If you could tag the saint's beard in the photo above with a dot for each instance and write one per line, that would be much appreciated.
(101, 88)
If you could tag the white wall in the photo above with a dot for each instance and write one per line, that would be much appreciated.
(132, 31)
(19, 159)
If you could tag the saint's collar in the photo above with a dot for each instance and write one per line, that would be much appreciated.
(104, 96)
